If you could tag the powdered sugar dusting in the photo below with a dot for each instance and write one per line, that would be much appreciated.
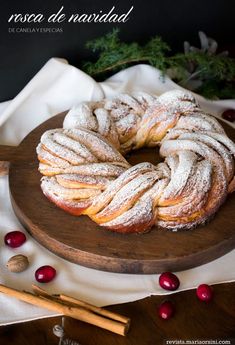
(194, 198)
(81, 116)
(83, 181)
(220, 149)
(68, 193)
(58, 150)
(180, 176)
(100, 169)
(47, 157)
(75, 146)
(103, 150)
(127, 195)
(87, 174)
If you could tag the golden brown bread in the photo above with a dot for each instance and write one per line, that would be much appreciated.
(85, 172)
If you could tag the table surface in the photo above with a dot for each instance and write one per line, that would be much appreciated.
(193, 320)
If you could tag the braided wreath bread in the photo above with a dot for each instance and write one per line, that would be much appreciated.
(85, 171)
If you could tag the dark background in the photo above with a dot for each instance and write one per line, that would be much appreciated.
(23, 54)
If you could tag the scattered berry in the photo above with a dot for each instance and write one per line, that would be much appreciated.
(229, 115)
(166, 310)
(14, 239)
(169, 281)
(45, 274)
(204, 293)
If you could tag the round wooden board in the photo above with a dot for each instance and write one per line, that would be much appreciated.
(80, 240)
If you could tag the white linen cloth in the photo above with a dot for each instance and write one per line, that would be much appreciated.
(56, 87)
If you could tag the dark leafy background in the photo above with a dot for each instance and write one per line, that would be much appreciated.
(22, 55)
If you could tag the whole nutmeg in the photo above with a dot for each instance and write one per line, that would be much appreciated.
(18, 263)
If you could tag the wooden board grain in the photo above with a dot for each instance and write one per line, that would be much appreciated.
(80, 240)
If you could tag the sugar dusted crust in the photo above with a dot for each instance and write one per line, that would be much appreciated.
(85, 171)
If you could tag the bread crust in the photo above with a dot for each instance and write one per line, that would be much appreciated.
(85, 171)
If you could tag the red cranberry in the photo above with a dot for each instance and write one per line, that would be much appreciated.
(166, 310)
(14, 239)
(204, 293)
(229, 115)
(169, 281)
(45, 274)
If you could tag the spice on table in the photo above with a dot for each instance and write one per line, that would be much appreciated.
(113, 322)
(18, 263)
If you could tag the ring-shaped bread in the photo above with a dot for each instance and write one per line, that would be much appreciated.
(85, 171)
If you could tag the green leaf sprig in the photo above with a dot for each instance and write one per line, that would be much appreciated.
(197, 69)
(116, 55)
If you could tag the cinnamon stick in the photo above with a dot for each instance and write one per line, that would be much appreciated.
(78, 313)
(95, 309)
(88, 306)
